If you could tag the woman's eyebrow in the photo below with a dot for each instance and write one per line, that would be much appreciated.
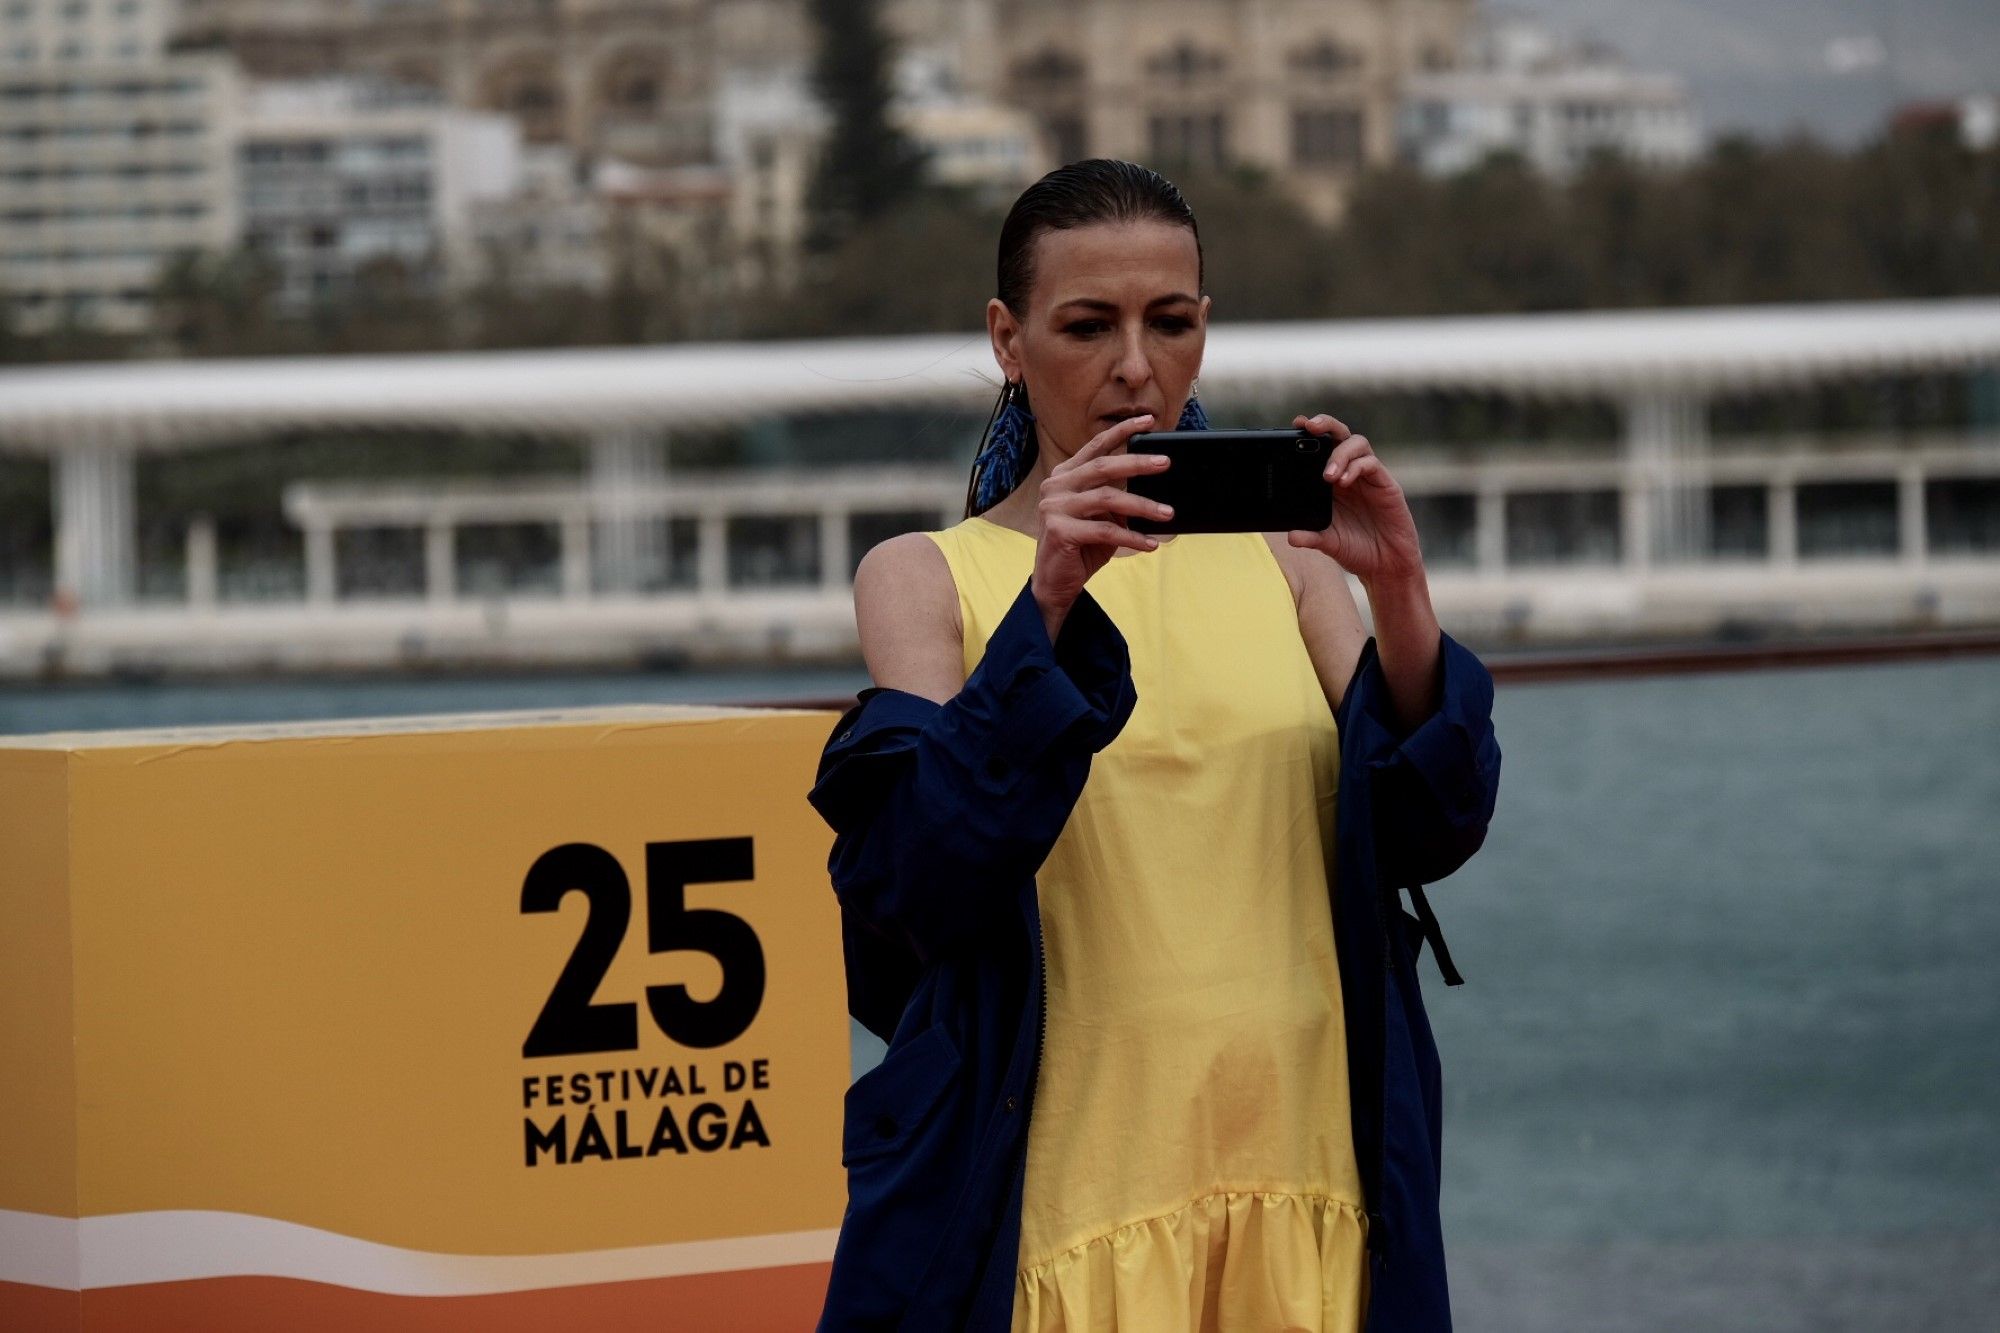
(1092, 303)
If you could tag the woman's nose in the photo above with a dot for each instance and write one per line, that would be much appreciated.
(1133, 367)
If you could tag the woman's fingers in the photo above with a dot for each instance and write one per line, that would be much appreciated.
(1369, 466)
(1101, 532)
(1344, 455)
(1075, 519)
(1113, 500)
(1322, 425)
(1102, 443)
(1112, 470)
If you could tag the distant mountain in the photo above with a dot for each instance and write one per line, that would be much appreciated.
(1763, 66)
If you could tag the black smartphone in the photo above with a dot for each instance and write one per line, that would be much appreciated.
(1236, 480)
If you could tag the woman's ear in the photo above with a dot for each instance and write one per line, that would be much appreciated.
(1005, 331)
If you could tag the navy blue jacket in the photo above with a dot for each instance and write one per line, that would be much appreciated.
(942, 814)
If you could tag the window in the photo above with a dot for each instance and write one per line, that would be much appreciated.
(1066, 138)
(1049, 68)
(1325, 57)
(1200, 139)
(1186, 62)
(531, 96)
(1327, 137)
(635, 90)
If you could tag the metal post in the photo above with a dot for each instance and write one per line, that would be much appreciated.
(1781, 520)
(833, 549)
(576, 555)
(95, 551)
(440, 560)
(1489, 529)
(322, 578)
(631, 552)
(1635, 497)
(1666, 441)
(1910, 529)
(711, 566)
(201, 563)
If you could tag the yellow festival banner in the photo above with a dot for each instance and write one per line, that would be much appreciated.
(483, 1022)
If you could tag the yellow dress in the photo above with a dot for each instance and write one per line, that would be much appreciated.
(1190, 1157)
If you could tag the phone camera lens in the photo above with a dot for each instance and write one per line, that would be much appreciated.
(1305, 444)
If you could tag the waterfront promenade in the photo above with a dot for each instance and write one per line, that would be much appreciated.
(1665, 529)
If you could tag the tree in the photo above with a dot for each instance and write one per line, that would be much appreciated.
(209, 304)
(867, 166)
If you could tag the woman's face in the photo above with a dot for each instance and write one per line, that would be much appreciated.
(1114, 327)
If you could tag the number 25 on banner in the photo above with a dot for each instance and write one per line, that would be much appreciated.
(570, 1023)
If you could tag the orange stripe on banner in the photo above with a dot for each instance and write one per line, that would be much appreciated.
(763, 1300)
(39, 1309)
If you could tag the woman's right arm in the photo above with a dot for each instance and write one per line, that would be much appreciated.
(943, 796)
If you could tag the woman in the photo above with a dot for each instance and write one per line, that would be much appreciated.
(1088, 819)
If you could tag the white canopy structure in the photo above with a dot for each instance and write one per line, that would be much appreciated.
(179, 404)
(1661, 364)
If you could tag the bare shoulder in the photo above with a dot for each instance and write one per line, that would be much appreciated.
(906, 613)
(1310, 572)
(1287, 556)
(1329, 618)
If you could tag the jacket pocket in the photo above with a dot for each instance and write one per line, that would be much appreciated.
(886, 1106)
(906, 1150)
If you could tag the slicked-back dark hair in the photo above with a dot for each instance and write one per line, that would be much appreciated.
(1100, 189)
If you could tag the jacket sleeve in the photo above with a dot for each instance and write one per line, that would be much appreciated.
(939, 810)
(1435, 785)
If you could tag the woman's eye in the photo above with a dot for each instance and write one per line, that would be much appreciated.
(1084, 328)
(1173, 324)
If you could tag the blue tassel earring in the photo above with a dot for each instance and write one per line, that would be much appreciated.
(1008, 452)
(1193, 417)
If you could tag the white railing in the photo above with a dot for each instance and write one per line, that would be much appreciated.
(603, 610)
(831, 498)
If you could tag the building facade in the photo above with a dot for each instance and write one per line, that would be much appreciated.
(1304, 89)
(1525, 91)
(114, 157)
(339, 175)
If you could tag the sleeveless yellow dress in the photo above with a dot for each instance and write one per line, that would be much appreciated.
(1190, 1157)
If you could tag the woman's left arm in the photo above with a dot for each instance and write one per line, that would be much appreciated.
(1414, 700)
(1373, 537)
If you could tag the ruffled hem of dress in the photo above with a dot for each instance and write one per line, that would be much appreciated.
(1255, 1259)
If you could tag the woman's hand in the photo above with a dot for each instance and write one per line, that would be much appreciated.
(1372, 535)
(1081, 516)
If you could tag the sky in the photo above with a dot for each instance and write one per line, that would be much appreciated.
(1762, 66)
